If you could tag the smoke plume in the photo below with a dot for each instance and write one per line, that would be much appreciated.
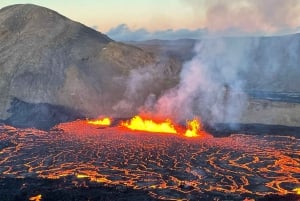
(216, 82)
(142, 85)
(250, 16)
(210, 85)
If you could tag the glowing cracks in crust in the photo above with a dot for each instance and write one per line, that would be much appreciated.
(297, 190)
(36, 198)
(82, 176)
(100, 122)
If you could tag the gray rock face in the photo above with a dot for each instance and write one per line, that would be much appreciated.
(40, 115)
(48, 58)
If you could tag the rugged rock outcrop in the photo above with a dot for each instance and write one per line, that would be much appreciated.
(48, 58)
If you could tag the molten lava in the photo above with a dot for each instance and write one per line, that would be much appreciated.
(154, 125)
(139, 124)
(100, 122)
(297, 190)
(36, 198)
(193, 128)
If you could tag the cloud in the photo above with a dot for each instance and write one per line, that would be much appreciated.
(123, 33)
(225, 18)
(250, 16)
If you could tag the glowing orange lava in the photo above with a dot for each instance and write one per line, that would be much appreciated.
(137, 123)
(100, 122)
(36, 198)
(193, 128)
(140, 124)
(297, 190)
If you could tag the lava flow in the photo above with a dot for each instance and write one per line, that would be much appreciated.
(140, 124)
(193, 128)
(36, 198)
(297, 191)
(100, 122)
(137, 123)
(168, 167)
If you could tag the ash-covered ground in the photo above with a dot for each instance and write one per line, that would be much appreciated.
(76, 161)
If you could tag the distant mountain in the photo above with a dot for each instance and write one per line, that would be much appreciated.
(182, 49)
(48, 58)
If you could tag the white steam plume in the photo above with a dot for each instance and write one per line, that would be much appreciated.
(251, 16)
(210, 84)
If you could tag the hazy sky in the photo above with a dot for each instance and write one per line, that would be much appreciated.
(105, 14)
(146, 19)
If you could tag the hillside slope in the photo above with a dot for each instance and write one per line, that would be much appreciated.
(48, 58)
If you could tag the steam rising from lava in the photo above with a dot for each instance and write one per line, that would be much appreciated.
(209, 86)
(247, 16)
(214, 84)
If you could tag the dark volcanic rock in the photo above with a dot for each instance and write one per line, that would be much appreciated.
(287, 197)
(40, 115)
(222, 130)
(48, 58)
(12, 189)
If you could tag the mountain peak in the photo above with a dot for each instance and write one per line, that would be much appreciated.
(28, 11)
(29, 20)
(18, 15)
(48, 58)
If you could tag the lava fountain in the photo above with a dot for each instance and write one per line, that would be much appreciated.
(193, 128)
(106, 121)
(139, 124)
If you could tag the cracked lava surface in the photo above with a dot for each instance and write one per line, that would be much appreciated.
(165, 165)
